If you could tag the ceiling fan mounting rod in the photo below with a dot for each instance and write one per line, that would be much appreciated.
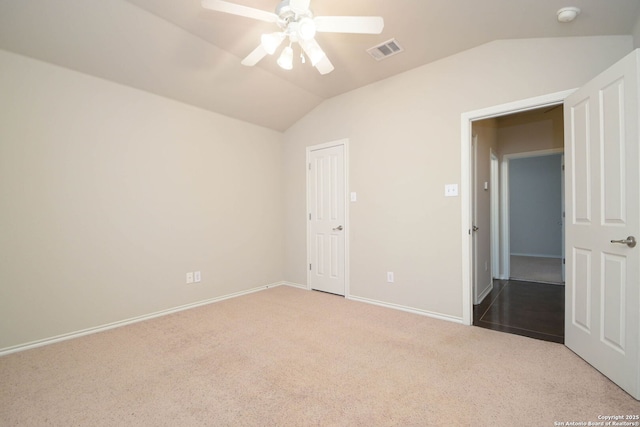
(287, 15)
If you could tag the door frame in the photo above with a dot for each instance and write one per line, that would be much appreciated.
(466, 201)
(345, 144)
(505, 228)
(495, 214)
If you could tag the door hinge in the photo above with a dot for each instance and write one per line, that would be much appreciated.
(309, 166)
(309, 267)
(309, 217)
(564, 261)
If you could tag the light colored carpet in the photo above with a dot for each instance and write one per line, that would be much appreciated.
(536, 269)
(291, 357)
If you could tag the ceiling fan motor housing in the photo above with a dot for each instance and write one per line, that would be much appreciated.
(287, 15)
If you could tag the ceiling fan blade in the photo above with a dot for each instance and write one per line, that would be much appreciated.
(349, 24)
(237, 9)
(324, 66)
(255, 56)
(299, 6)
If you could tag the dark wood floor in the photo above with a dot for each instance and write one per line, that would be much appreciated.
(530, 309)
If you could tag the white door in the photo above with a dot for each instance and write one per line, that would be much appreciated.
(481, 215)
(327, 228)
(474, 219)
(602, 322)
(562, 218)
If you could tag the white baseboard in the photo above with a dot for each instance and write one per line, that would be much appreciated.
(538, 255)
(294, 285)
(83, 332)
(408, 309)
(106, 327)
(484, 293)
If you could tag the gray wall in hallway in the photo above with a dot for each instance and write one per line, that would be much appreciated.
(535, 206)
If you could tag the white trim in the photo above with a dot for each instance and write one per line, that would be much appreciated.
(505, 247)
(495, 215)
(427, 313)
(538, 153)
(345, 143)
(539, 255)
(132, 320)
(504, 200)
(465, 159)
(486, 292)
(293, 285)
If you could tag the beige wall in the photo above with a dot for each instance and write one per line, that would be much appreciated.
(109, 195)
(404, 135)
(541, 129)
(486, 133)
(636, 34)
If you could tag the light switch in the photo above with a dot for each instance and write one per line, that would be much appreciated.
(451, 190)
(354, 197)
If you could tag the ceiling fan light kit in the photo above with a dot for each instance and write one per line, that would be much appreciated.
(298, 24)
(306, 28)
(285, 60)
(270, 42)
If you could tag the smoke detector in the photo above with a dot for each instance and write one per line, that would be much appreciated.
(568, 14)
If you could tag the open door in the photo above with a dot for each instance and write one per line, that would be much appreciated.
(602, 321)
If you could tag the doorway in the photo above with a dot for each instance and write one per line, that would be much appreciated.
(548, 102)
(327, 222)
(535, 214)
(526, 232)
(601, 292)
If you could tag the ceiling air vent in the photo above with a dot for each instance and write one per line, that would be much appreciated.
(385, 50)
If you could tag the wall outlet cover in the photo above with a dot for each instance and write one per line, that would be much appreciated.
(451, 190)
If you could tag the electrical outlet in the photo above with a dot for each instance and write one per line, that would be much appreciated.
(197, 277)
(390, 276)
(189, 277)
(451, 190)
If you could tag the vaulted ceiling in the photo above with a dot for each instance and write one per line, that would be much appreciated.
(176, 49)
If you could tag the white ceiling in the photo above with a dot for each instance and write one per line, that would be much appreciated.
(176, 49)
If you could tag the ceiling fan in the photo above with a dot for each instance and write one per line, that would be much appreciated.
(297, 23)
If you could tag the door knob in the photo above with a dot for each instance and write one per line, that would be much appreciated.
(475, 228)
(629, 241)
(338, 228)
